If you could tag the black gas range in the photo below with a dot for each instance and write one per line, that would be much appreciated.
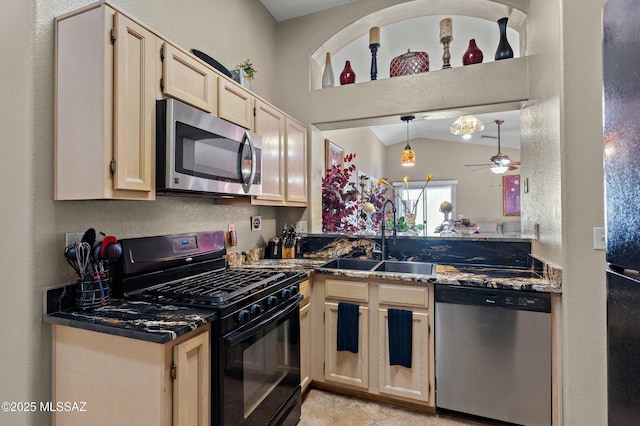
(255, 352)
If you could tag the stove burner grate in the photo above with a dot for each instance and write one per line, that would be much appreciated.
(217, 287)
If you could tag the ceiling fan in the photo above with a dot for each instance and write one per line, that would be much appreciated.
(500, 162)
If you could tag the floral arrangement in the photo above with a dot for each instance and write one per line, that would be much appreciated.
(403, 224)
(339, 197)
(248, 69)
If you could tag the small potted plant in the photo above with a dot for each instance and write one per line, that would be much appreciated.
(248, 71)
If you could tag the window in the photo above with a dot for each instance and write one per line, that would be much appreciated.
(427, 209)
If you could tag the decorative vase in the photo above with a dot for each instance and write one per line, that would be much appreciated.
(473, 55)
(327, 76)
(347, 76)
(504, 50)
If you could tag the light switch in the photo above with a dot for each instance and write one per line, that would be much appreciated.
(599, 238)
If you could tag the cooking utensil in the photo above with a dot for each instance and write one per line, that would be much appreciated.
(89, 237)
(70, 256)
(109, 239)
(98, 278)
(113, 251)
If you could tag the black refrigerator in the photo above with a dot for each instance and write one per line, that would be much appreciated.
(621, 73)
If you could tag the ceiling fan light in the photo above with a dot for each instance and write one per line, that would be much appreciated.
(466, 125)
(408, 156)
(499, 169)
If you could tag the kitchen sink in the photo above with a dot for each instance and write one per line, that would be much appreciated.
(421, 268)
(392, 266)
(352, 264)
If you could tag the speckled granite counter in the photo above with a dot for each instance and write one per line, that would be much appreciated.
(471, 276)
(137, 320)
(298, 265)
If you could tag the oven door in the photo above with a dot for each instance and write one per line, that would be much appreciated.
(261, 371)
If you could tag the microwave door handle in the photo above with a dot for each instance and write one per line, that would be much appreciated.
(247, 186)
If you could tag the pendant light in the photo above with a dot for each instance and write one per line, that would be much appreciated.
(408, 156)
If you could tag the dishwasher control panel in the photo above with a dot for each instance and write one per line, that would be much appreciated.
(497, 298)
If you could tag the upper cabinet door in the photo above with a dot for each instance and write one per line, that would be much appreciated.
(270, 124)
(296, 154)
(134, 106)
(235, 104)
(184, 78)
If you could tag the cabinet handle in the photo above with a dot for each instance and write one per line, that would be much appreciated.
(112, 166)
(172, 371)
(113, 34)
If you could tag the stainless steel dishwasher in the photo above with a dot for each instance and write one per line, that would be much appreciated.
(493, 353)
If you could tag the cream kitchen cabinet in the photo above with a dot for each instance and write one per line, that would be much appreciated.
(369, 372)
(129, 381)
(346, 367)
(305, 337)
(235, 103)
(284, 159)
(184, 77)
(270, 124)
(415, 382)
(105, 92)
(296, 157)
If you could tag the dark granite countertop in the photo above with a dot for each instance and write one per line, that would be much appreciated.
(150, 322)
(298, 265)
(471, 276)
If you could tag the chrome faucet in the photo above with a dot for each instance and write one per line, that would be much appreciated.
(383, 239)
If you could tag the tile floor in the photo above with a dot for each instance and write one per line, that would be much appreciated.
(320, 408)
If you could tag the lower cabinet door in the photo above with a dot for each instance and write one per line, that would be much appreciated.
(191, 393)
(414, 382)
(344, 366)
(305, 349)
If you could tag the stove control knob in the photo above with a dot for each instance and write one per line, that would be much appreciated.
(293, 290)
(285, 293)
(243, 316)
(271, 302)
(255, 310)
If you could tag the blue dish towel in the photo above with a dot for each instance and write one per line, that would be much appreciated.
(400, 337)
(348, 316)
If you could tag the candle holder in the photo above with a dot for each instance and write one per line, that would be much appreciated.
(374, 61)
(446, 56)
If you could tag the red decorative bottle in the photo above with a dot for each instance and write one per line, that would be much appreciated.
(473, 55)
(347, 76)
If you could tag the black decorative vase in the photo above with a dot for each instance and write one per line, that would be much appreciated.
(504, 50)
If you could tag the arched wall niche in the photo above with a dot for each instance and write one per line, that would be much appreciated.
(481, 9)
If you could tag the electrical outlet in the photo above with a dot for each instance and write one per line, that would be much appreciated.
(301, 227)
(72, 238)
(599, 238)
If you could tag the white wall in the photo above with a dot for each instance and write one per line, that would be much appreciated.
(478, 193)
(369, 150)
(34, 225)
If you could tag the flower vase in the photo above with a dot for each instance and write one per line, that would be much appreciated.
(368, 224)
(347, 76)
(410, 219)
(473, 55)
(504, 50)
(327, 75)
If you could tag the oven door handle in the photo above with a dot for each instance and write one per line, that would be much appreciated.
(237, 337)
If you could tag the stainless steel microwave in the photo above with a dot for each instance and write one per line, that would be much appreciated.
(199, 154)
